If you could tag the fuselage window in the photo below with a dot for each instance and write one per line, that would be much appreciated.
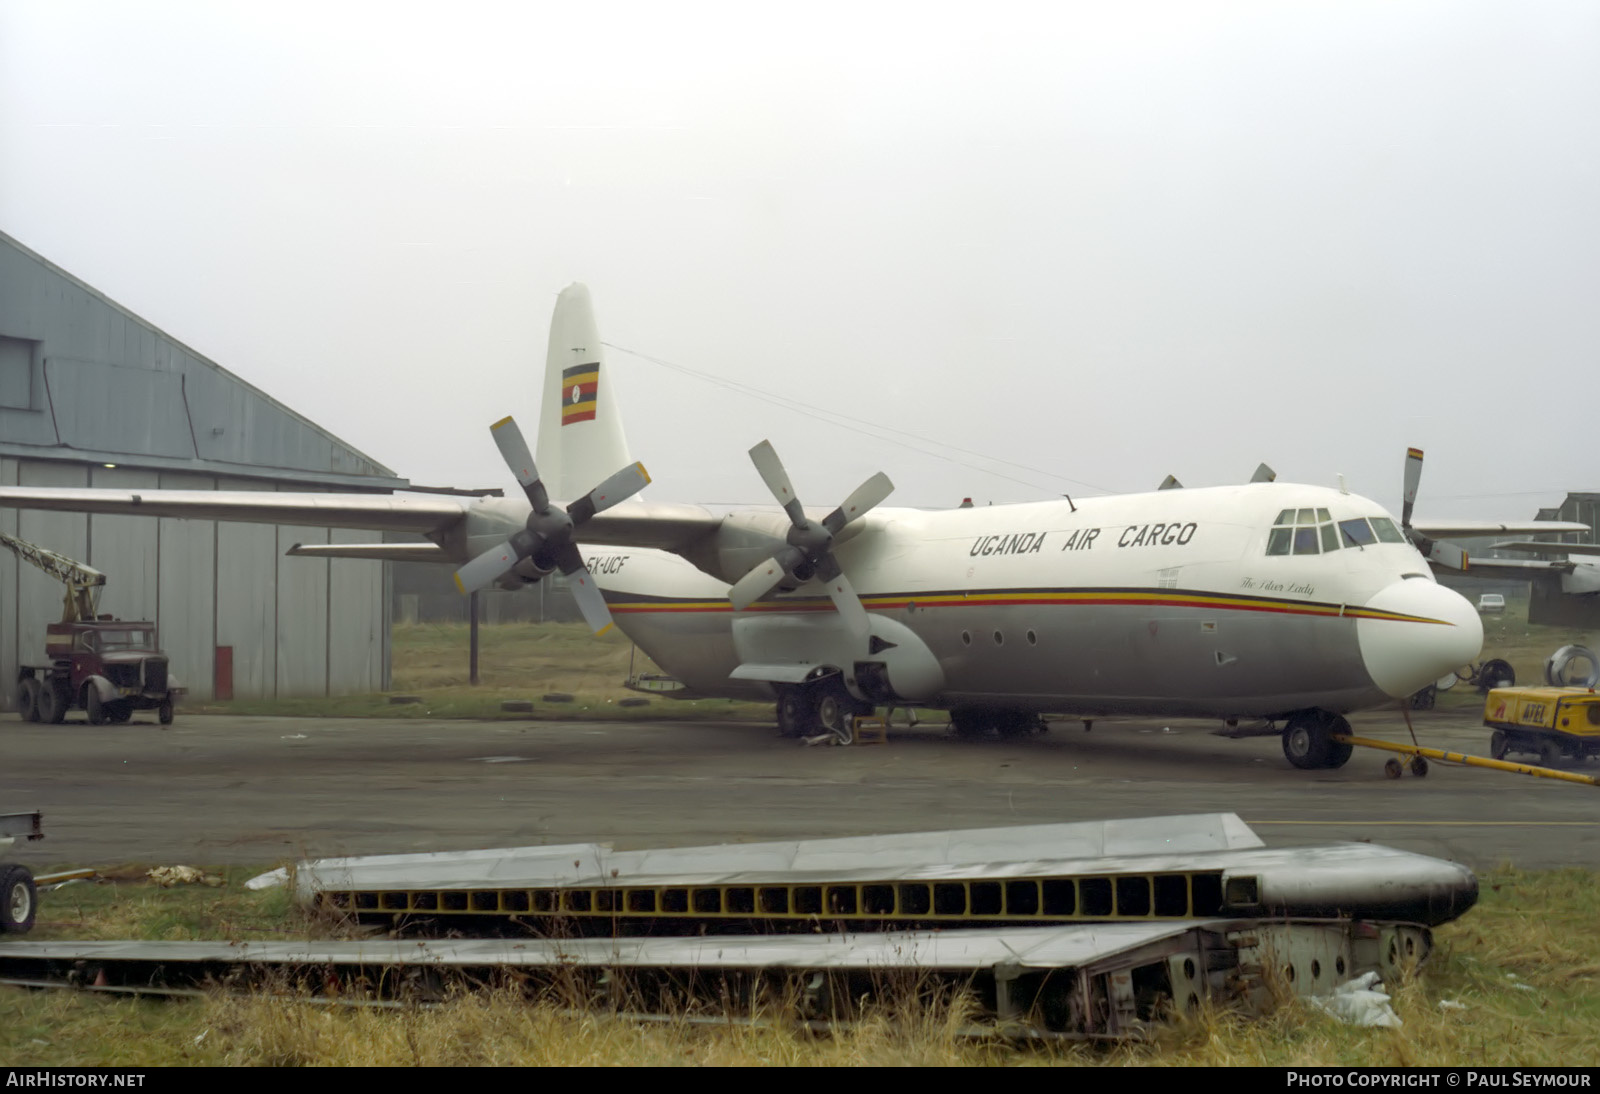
(1386, 530)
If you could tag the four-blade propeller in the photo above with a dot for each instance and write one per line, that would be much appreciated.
(547, 539)
(810, 543)
(1445, 554)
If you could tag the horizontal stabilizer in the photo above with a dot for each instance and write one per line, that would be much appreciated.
(1534, 547)
(383, 552)
(1456, 529)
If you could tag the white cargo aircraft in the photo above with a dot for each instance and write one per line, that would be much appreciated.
(1266, 600)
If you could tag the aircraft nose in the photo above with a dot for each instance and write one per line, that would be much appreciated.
(1415, 631)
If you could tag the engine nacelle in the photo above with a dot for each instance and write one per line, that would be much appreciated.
(523, 574)
(895, 667)
(1583, 580)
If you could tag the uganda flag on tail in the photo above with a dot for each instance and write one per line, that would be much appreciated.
(579, 387)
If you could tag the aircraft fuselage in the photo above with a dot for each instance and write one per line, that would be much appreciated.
(1197, 602)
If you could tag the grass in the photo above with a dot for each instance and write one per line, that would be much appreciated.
(520, 661)
(1522, 965)
(1509, 636)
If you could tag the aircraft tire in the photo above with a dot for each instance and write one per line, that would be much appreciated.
(970, 724)
(794, 712)
(1014, 724)
(28, 699)
(1308, 740)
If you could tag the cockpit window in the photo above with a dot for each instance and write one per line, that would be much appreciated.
(1302, 532)
(1313, 531)
(1356, 532)
(1386, 530)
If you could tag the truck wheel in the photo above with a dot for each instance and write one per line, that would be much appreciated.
(119, 712)
(1549, 753)
(28, 699)
(1499, 744)
(19, 899)
(53, 702)
(94, 707)
(164, 712)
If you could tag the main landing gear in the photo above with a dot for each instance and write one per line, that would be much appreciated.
(817, 706)
(1308, 739)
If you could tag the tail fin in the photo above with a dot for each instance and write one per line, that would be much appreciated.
(580, 430)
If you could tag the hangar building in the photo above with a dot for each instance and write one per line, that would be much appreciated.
(91, 395)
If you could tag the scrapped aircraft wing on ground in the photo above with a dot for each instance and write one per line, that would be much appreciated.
(376, 512)
(1456, 529)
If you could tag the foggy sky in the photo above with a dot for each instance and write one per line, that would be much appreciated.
(1102, 242)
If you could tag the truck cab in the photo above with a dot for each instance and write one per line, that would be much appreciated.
(107, 667)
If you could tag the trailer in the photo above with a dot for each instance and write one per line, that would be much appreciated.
(19, 896)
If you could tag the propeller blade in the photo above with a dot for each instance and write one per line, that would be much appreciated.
(618, 488)
(849, 606)
(1412, 481)
(486, 568)
(591, 602)
(756, 584)
(765, 457)
(514, 450)
(1447, 555)
(863, 498)
(1264, 474)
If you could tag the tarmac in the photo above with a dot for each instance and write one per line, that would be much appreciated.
(220, 790)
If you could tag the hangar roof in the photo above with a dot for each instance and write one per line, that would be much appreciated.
(84, 379)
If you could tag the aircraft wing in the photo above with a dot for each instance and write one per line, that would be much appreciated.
(375, 512)
(1455, 529)
(1534, 547)
(667, 527)
(1520, 569)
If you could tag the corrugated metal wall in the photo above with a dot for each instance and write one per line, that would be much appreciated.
(292, 630)
(84, 383)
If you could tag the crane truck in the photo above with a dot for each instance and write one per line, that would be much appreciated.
(107, 667)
